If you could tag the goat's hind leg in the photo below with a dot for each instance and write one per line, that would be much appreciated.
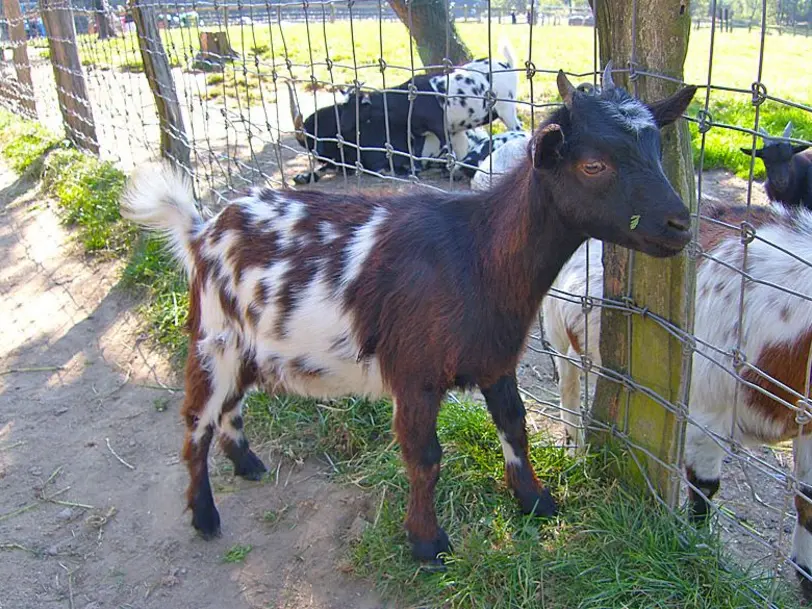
(213, 395)
(234, 443)
(507, 409)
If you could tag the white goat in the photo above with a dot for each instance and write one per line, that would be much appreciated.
(776, 334)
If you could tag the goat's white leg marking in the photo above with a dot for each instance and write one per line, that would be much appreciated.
(511, 458)
(222, 360)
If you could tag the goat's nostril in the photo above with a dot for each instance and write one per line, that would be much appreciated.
(680, 224)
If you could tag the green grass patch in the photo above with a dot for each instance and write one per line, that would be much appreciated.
(722, 145)
(237, 553)
(87, 192)
(24, 142)
(166, 305)
(607, 548)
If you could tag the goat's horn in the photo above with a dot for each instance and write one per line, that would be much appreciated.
(787, 130)
(296, 115)
(606, 80)
(565, 88)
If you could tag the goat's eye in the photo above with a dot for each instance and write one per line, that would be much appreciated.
(593, 168)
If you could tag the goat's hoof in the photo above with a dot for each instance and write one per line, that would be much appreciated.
(206, 521)
(250, 466)
(539, 504)
(304, 178)
(806, 584)
(429, 551)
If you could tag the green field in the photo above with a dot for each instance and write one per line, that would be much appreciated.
(355, 49)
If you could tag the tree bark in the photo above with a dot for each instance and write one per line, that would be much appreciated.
(159, 74)
(24, 93)
(665, 286)
(430, 25)
(77, 114)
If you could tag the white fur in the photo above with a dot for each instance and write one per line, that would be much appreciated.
(361, 244)
(160, 197)
(633, 114)
(511, 458)
(500, 162)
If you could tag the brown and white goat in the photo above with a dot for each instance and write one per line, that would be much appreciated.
(407, 296)
(776, 333)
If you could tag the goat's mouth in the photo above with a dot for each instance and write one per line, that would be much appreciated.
(665, 246)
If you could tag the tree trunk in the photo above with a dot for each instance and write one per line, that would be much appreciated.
(664, 286)
(430, 25)
(23, 91)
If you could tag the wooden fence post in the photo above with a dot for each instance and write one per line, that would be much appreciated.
(74, 103)
(174, 144)
(663, 286)
(16, 31)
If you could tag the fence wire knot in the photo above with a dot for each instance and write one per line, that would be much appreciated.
(688, 345)
(632, 67)
(587, 303)
(739, 359)
(381, 64)
(288, 64)
(759, 93)
(531, 68)
(389, 150)
(412, 92)
(448, 65)
(586, 362)
(274, 75)
(451, 160)
(705, 120)
(748, 233)
(628, 305)
(490, 98)
(694, 250)
(803, 416)
(328, 62)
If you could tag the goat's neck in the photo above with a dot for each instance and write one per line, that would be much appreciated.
(529, 243)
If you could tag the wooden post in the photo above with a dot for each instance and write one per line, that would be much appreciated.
(74, 103)
(664, 286)
(159, 74)
(16, 31)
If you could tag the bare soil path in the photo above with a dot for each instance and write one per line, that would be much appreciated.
(81, 529)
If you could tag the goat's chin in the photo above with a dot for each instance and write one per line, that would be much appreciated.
(656, 247)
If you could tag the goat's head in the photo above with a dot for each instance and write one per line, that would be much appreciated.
(362, 101)
(323, 123)
(777, 156)
(600, 156)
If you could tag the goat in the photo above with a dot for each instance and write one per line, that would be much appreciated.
(500, 161)
(427, 113)
(480, 147)
(776, 333)
(408, 296)
(789, 169)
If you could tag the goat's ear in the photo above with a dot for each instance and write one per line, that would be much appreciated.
(668, 110)
(546, 146)
(800, 148)
(749, 151)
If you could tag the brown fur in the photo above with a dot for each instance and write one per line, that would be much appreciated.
(787, 364)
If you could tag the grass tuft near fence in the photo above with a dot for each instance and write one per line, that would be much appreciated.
(608, 548)
(24, 142)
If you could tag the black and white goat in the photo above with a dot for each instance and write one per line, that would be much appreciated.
(452, 103)
(789, 169)
(776, 337)
(329, 294)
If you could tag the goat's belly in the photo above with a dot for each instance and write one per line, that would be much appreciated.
(319, 375)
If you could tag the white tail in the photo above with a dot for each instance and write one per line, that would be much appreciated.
(160, 198)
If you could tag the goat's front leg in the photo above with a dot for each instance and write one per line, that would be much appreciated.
(703, 467)
(416, 431)
(507, 409)
(802, 539)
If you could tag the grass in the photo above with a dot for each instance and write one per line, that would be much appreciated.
(24, 142)
(87, 193)
(237, 553)
(608, 548)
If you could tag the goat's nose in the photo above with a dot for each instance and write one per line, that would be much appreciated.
(681, 222)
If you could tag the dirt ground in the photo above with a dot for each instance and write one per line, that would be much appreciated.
(81, 394)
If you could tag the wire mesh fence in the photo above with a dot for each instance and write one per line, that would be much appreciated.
(278, 94)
